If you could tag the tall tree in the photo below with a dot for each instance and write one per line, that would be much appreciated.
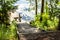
(42, 9)
(42, 6)
(36, 7)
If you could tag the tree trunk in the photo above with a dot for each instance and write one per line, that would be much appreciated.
(36, 7)
(59, 23)
(42, 9)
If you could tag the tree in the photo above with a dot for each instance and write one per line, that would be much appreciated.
(54, 10)
(42, 9)
(5, 6)
(42, 6)
(36, 6)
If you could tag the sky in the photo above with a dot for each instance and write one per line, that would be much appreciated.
(26, 15)
(21, 2)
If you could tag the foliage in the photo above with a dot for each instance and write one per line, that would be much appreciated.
(8, 33)
(5, 6)
(54, 8)
(47, 23)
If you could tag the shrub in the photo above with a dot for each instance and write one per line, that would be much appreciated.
(46, 23)
(8, 33)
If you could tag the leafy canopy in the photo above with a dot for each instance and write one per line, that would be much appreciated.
(5, 6)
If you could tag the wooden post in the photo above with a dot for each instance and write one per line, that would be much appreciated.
(19, 17)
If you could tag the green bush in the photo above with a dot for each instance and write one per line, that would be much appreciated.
(8, 33)
(46, 23)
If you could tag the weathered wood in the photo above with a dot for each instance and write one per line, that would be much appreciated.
(26, 32)
(40, 36)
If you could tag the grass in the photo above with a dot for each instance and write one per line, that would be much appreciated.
(8, 33)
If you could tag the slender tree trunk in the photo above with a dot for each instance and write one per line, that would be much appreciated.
(36, 7)
(42, 9)
(59, 23)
